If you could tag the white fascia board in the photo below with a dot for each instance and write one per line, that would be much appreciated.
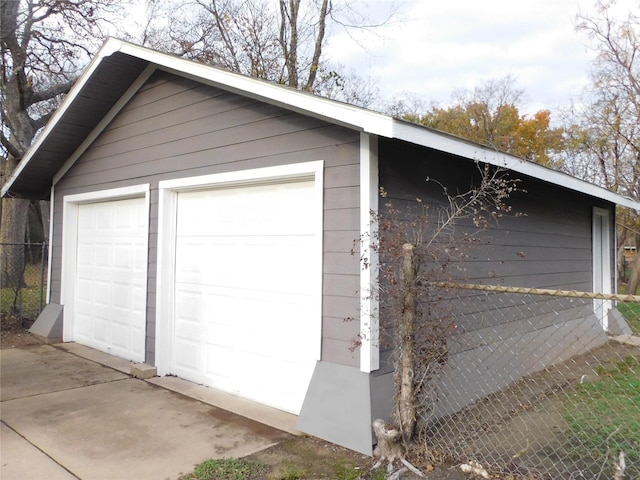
(440, 141)
(107, 49)
(336, 112)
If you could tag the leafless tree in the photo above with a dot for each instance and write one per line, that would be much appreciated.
(43, 45)
(417, 247)
(282, 41)
(611, 117)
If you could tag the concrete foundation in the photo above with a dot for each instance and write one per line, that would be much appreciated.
(337, 407)
(48, 325)
(143, 371)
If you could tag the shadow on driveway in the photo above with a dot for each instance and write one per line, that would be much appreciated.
(68, 417)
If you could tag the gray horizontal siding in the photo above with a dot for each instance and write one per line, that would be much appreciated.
(548, 242)
(174, 127)
(545, 243)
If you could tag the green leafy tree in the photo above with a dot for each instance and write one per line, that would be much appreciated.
(489, 115)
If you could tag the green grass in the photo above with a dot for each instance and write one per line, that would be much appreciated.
(348, 471)
(27, 300)
(292, 472)
(226, 469)
(631, 312)
(604, 415)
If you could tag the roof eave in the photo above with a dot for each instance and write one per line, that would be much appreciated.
(109, 47)
(335, 112)
(339, 113)
(450, 144)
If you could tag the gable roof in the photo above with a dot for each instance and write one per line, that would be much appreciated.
(119, 69)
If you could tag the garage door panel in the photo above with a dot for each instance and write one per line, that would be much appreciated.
(256, 203)
(188, 357)
(263, 382)
(245, 275)
(124, 258)
(101, 293)
(188, 331)
(84, 290)
(139, 299)
(120, 335)
(276, 350)
(274, 278)
(84, 327)
(84, 256)
(255, 308)
(188, 303)
(121, 299)
(203, 259)
(100, 331)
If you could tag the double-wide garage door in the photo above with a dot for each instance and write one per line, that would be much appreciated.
(246, 313)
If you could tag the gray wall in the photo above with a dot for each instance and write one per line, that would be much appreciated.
(548, 245)
(175, 127)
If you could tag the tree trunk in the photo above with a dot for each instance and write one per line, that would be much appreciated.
(620, 260)
(388, 448)
(634, 279)
(45, 205)
(406, 398)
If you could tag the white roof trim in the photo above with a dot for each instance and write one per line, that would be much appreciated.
(335, 112)
(450, 144)
(107, 49)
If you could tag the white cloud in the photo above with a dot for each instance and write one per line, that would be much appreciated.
(437, 47)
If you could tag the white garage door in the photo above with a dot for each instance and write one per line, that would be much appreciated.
(110, 283)
(246, 293)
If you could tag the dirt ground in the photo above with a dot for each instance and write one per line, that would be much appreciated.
(312, 458)
(14, 333)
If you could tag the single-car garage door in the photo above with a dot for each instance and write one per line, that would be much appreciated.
(246, 292)
(111, 274)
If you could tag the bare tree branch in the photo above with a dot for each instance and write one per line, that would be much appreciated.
(10, 147)
(325, 10)
(52, 92)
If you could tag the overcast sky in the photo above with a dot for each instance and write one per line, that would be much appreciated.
(440, 45)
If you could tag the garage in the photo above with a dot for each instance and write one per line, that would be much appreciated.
(246, 296)
(110, 276)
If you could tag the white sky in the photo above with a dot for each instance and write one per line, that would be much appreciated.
(441, 45)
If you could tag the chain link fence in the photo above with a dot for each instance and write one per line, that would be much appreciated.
(23, 277)
(537, 384)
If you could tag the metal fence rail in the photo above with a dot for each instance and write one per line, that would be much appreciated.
(23, 280)
(534, 387)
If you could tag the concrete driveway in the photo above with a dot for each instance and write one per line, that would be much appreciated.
(71, 412)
